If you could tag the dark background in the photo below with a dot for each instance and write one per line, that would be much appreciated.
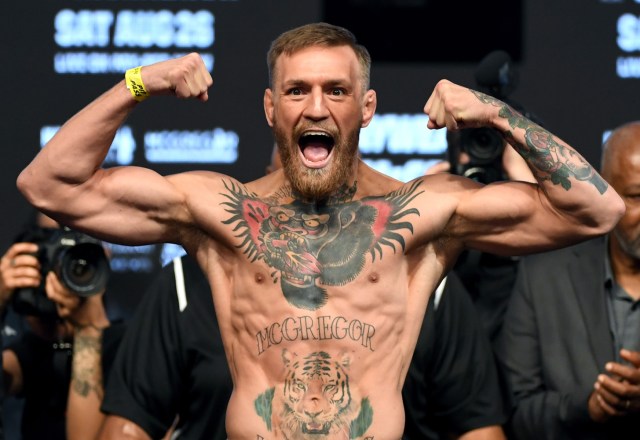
(566, 54)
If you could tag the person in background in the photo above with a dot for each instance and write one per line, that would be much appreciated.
(170, 375)
(37, 366)
(570, 344)
(452, 389)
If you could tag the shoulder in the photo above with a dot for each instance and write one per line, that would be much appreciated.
(446, 183)
(200, 183)
(438, 194)
(373, 182)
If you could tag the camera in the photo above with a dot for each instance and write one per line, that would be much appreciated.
(78, 260)
(482, 148)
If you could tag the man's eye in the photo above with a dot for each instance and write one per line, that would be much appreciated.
(295, 91)
(337, 92)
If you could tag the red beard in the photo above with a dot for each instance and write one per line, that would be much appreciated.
(317, 184)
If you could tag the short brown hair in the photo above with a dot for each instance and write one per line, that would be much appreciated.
(318, 34)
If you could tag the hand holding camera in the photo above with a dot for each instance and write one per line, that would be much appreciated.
(81, 312)
(19, 268)
(78, 261)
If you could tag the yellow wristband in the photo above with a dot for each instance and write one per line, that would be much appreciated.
(133, 79)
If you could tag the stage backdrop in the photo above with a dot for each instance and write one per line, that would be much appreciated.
(577, 65)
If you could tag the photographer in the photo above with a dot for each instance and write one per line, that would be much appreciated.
(37, 366)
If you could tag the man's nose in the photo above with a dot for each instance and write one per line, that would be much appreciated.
(316, 107)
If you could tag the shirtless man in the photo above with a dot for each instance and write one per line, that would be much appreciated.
(320, 272)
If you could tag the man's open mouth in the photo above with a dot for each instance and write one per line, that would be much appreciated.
(316, 146)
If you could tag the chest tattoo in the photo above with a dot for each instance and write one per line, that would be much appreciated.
(311, 246)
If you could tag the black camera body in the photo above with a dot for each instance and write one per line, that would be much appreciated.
(482, 149)
(78, 260)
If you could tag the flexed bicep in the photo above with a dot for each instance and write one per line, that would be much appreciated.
(65, 179)
(510, 218)
(128, 205)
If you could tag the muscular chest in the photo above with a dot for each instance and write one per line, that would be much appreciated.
(362, 285)
(312, 250)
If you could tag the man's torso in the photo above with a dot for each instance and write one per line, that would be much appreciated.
(319, 308)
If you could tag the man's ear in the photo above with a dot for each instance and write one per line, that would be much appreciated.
(369, 105)
(268, 106)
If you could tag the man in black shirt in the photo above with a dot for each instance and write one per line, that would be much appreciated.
(171, 363)
(452, 387)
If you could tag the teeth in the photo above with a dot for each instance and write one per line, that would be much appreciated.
(316, 133)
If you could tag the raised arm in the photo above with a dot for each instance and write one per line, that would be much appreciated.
(65, 179)
(569, 203)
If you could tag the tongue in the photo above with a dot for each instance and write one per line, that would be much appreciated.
(315, 153)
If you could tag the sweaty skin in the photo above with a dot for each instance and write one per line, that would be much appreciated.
(320, 274)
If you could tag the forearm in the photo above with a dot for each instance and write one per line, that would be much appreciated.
(571, 185)
(67, 165)
(86, 389)
(74, 155)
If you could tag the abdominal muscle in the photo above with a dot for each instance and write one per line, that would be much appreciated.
(322, 375)
(335, 372)
(304, 407)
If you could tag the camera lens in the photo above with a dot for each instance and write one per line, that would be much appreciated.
(84, 268)
(482, 144)
(81, 270)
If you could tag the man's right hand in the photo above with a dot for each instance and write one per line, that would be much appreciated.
(19, 268)
(184, 77)
(618, 392)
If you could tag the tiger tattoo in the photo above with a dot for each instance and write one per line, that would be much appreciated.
(314, 400)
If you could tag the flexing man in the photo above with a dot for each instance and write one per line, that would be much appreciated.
(320, 272)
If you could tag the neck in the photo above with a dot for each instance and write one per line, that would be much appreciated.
(342, 195)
